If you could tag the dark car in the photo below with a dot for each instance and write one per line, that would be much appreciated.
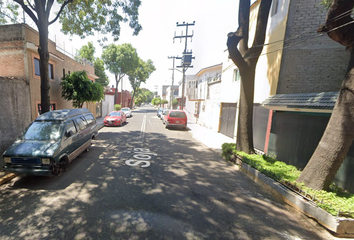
(51, 142)
(175, 118)
(115, 118)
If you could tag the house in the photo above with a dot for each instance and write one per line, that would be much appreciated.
(203, 96)
(20, 79)
(298, 76)
(171, 94)
(108, 102)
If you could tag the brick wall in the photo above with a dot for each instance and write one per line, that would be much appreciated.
(310, 62)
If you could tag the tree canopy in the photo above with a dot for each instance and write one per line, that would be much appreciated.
(120, 60)
(79, 17)
(140, 75)
(87, 52)
(78, 88)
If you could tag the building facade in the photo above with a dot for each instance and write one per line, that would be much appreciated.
(20, 79)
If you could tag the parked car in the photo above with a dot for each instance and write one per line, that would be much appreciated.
(163, 114)
(115, 118)
(175, 118)
(51, 142)
(127, 111)
(159, 111)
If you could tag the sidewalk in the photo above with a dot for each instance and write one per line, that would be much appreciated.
(208, 137)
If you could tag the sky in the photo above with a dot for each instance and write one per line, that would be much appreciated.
(213, 20)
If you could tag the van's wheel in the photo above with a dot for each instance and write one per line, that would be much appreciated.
(57, 169)
(64, 164)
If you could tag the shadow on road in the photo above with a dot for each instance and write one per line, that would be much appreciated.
(188, 192)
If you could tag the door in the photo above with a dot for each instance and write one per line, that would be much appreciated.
(228, 119)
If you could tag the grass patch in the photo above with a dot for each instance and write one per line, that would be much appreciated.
(336, 201)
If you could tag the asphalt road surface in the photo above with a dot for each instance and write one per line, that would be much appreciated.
(142, 181)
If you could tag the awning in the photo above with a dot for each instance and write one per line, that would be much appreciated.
(302, 102)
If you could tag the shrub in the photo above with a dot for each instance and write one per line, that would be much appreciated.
(117, 107)
(227, 150)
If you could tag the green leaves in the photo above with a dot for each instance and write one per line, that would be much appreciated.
(78, 88)
(87, 52)
(120, 60)
(84, 17)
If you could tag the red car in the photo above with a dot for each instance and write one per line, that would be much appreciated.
(175, 118)
(115, 118)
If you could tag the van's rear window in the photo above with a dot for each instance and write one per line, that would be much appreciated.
(178, 115)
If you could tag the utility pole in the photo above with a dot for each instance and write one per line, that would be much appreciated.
(173, 77)
(187, 56)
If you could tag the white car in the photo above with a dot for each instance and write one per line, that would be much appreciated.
(127, 111)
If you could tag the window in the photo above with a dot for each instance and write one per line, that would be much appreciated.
(237, 76)
(275, 7)
(70, 127)
(81, 122)
(51, 71)
(63, 72)
(37, 69)
(90, 119)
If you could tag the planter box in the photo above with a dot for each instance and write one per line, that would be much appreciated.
(341, 227)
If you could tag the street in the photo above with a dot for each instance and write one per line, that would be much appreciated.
(142, 181)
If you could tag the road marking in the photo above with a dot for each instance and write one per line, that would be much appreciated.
(142, 130)
(142, 155)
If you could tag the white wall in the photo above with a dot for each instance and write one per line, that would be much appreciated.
(107, 105)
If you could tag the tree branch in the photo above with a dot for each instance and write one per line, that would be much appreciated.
(27, 10)
(232, 41)
(48, 8)
(243, 28)
(61, 9)
(339, 24)
(29, 4)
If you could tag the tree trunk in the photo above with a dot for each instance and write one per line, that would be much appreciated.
(245, 116)
(44, 64)
(339, 134)
(336, 140)
(246, 60)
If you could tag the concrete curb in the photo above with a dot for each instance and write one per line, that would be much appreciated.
(7, 178)
(340, 227)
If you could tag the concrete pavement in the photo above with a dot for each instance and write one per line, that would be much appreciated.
(208, 137)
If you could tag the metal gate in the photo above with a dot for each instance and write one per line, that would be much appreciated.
(228, 119)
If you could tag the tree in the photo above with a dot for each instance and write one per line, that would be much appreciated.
(120, 60)
(140, 75)
(339, 134)
(87, 52)
(140, 97)
(156, 101)
(245, 59)
(78, 17)
(164, 101)
(148, 94)
(79, 88)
